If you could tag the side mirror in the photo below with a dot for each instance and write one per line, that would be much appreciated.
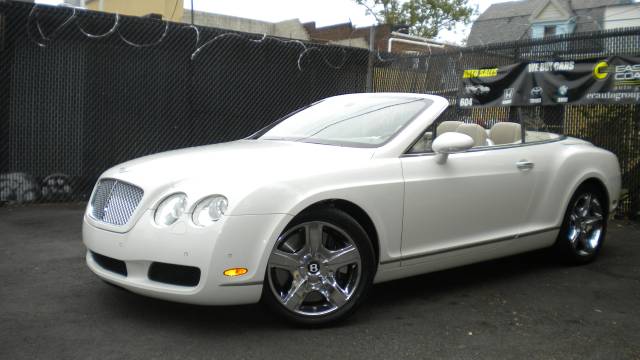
(451, 143)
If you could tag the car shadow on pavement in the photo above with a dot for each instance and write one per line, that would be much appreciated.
(464, 279)
(138, 308)
(383, 297)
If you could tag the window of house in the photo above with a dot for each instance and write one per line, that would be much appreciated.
(549, 30)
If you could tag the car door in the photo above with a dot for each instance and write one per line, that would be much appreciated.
(475, 197)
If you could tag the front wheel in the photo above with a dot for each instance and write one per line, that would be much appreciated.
(584, 226)
(320, 268)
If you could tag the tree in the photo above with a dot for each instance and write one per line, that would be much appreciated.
(422, 17)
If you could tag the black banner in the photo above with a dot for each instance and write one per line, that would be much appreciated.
(614, 80)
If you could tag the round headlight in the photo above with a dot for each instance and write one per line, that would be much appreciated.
(171, 209)
(210, 210)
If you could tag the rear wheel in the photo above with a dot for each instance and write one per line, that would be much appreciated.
(584, 226)
(320, 268)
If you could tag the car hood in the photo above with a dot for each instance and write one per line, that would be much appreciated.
(233, 167)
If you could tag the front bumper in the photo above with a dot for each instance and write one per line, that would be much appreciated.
(234, 241)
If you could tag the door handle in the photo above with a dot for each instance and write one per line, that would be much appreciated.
(525, 165)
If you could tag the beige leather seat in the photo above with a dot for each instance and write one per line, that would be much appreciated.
(477, 133)
(448, 126)
(505, 133)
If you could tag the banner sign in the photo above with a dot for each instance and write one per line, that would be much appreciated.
(615, 80)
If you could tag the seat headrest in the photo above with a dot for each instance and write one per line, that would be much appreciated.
(448, 126)
(506, 133)
(476, 132)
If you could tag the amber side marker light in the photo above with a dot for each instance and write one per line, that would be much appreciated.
(235, 271)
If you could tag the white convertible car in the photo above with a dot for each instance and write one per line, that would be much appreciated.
(356, 189)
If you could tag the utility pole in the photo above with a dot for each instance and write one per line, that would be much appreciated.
(192, 12)
(372, 48)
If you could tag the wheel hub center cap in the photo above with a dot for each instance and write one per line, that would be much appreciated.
(313, 268)
(584, 226)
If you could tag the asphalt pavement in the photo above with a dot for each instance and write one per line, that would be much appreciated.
(522, 307)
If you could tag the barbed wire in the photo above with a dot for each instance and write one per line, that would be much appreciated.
(39, 27)
(128, 42)
(106, 34)
(44, 39)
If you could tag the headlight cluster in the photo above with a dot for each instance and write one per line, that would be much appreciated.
(209, 210)
(206, 212)
(171, 209)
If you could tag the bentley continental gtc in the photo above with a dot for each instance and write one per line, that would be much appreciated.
(309, 212)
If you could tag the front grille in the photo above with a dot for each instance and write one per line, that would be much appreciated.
(111, 264)
(174, 274)
(114, 201)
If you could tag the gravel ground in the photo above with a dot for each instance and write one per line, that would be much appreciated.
(527, 306)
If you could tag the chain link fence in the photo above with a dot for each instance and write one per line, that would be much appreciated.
(81, 91)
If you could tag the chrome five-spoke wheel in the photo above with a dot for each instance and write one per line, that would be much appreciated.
(319, 267)
(585, 224)
(314, 268)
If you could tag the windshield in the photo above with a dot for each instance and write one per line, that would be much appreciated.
(348, 121)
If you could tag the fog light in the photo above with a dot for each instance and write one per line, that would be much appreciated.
(235, 271)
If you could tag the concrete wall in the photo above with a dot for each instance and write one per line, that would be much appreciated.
(292, 29)
(174, 10)
(229, 22)
(287, 29)
(169, 9)
(360, 42)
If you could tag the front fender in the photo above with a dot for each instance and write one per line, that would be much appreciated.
(377, 189)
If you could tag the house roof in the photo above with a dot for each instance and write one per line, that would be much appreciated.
(563, 7)
(510, 21)
(528, 7)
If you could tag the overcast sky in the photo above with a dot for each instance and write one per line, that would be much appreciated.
(323, 12)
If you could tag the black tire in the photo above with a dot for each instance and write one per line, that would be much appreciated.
(367, 268)
(573, 252)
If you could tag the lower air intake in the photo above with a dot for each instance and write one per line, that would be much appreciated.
(110, 264)
(174, 274)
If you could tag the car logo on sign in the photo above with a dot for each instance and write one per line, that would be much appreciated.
(562, 90)
(508, 94)
(536, 91)
(477, 89)
(601, 70)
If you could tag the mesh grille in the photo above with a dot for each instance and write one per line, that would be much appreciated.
(114, 201)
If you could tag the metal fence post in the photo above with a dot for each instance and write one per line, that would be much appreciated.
(370, 64)
(2, 32)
